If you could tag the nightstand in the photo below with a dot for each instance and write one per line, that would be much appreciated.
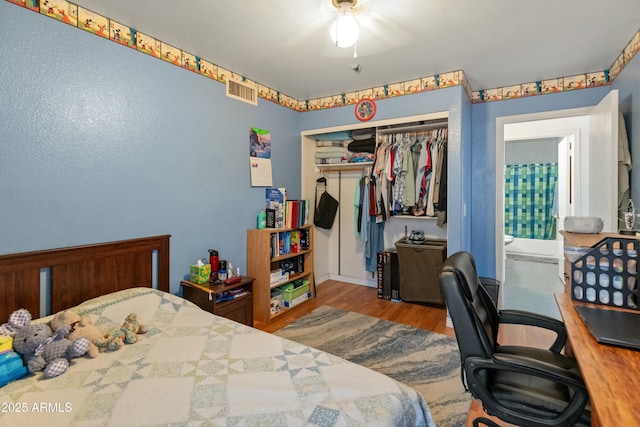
(205, 295)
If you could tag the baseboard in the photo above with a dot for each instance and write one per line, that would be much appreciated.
(356, 281)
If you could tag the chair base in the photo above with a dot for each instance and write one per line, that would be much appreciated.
(476, 412)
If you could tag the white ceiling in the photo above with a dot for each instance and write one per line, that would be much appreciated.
(285, 44)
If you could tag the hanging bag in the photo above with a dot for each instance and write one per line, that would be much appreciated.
(325, 209)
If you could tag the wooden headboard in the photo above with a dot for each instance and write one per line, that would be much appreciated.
(78, 273)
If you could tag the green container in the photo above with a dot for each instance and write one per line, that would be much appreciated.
(300, 288)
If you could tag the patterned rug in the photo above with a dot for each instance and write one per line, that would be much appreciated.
(427, 361)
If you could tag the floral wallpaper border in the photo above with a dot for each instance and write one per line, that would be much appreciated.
(101, 26)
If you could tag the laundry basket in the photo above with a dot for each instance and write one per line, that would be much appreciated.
(420, 264)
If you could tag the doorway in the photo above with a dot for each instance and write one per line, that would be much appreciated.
(539, 174)
(592, 153)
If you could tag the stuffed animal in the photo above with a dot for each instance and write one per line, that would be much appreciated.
(111, 342)
(81, 326)
(128, 333)
(43, 349)
(132, 328)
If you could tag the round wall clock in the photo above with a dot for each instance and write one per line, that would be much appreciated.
(365, 109)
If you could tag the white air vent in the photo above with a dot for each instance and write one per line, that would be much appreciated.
(242, 91)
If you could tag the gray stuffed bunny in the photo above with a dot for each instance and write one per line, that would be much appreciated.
(40, 347)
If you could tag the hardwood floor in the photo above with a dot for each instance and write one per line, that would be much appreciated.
(364, 300)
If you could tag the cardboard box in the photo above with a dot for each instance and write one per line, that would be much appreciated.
(200, 274)
(278, 276)
(276, 301)
(297, 300)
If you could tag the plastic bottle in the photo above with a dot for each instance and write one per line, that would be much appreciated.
(214, 261)
(262, 220)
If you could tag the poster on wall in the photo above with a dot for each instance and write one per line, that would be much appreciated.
(260, 157)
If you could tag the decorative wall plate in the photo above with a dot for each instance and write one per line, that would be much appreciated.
(365, 109)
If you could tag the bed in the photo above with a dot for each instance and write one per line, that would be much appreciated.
(191, 367)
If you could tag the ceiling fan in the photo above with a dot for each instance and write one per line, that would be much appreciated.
(377, 23)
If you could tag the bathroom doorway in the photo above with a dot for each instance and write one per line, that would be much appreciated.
(590, 168)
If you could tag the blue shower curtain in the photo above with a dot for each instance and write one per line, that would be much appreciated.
(530, 196)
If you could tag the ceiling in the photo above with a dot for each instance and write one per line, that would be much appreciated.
(285, 44)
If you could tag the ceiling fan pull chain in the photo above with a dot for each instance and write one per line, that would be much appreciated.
(355, 50)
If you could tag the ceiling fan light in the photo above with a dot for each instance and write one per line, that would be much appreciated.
(344, 30)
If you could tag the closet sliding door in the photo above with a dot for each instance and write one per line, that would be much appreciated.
(351, 260)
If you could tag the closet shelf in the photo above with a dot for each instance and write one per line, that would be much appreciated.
(355, 166)
(413, 218)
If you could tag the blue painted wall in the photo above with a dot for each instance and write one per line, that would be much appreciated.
(101, 143)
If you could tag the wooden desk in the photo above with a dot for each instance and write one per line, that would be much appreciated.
(610, 373)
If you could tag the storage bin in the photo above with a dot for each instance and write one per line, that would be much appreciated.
(608, 274)
(301, 287)
(420, 265)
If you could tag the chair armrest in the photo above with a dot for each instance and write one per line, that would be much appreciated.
(521, 317)
(476, 367)
(527, 365)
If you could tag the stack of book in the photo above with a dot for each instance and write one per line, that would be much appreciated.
(289, 242)
(283, 213)
(296, 213)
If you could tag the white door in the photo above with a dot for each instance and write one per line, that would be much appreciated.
(602, 190)
(565, 192)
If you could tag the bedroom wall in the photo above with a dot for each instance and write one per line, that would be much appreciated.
(100, 143)
(628, 85)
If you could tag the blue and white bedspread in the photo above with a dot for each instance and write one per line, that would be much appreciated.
(193, 368)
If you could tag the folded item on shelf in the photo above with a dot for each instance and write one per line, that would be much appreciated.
(333, 143)
(330, 161)
(359, 134)
(363, 146)
(362, 157)
(333, 136)
(330, 150)
(330, 155)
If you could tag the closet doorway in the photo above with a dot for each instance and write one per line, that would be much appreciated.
(339, 254)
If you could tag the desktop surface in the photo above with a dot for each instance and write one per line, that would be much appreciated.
(610, 373)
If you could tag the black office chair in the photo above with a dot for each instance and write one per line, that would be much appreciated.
(526, 386)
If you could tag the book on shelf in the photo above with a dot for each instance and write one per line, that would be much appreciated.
(276, 199)
(297, 214)
(289, 242)
(295, 241)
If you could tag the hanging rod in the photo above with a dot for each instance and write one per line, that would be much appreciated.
(440, 124)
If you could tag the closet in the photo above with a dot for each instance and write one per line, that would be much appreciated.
(405, 161)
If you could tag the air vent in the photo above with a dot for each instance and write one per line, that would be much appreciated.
(242, 91)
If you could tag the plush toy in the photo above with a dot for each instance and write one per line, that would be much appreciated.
(81, 326)
(127, 334)
(111, 342)
(43, 349)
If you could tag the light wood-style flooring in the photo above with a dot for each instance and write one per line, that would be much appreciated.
(364, 300)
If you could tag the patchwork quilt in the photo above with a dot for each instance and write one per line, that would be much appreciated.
(194, 368)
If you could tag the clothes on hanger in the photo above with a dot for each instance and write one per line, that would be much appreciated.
(410, 171)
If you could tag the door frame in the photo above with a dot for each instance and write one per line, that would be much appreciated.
(499, 202)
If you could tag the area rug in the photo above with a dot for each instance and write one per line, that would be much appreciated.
(427, 361)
